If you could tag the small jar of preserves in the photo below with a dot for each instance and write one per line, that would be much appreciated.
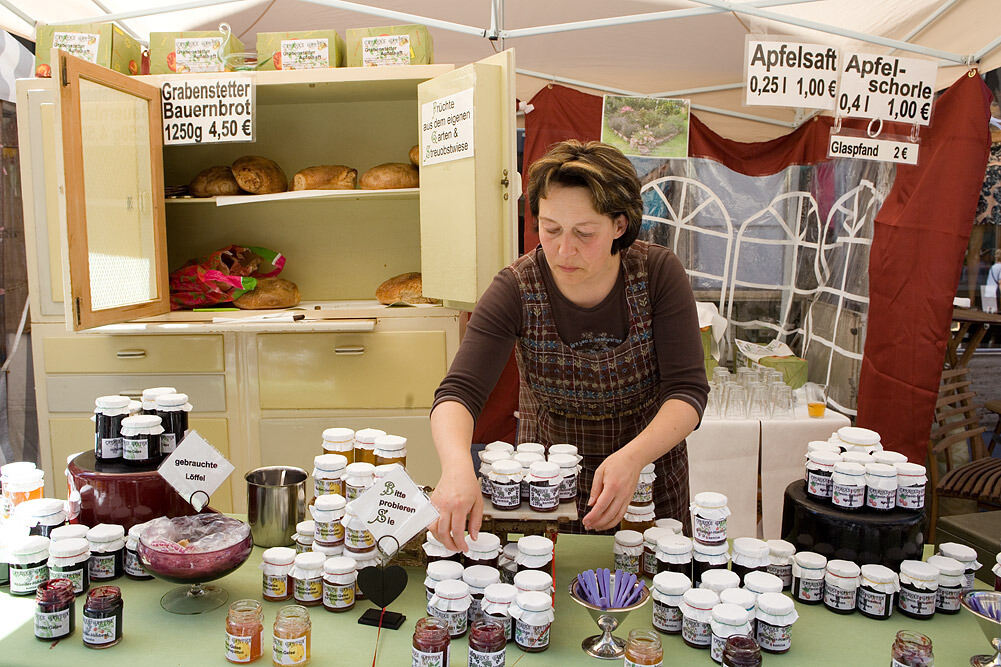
(911, 649)
(533, 581)
(307, 578)
(696, 615)
(762, 582)
(107, 551)
(276, 563)
(841, 582)
(808, 571)
(292, 632)
(861, 458)
(709, 513)
(507, 565)
(818, 445)
(744, 599)
(531, 448)
(533, 617)
(329, 552)
(967, 556)
(674, 554)
(499, 446)
(496, 606)
(149, 397)
(41, 515)
(918, 589)
(327, 512)
(880, 486)
(667, 591)
(535, 553)
(727, 620)
(434, 550)
(643, 647)
(643, 495)
(911, 482)
(505, 484)
(328, 475)
(890, 458)
(638, 518)
(359, 543)
(68, 559)
(450, 603)
(103, 613)
(627, 550)
(673, 525)
(108, 415)
(741, 651)
(441, 570)
(365, 445)
(390, 449)
(819, 470)
(526, 459)
(774, 615)
(141, 441)
(544, 486)
(244, 631)
(848, 486)
(431, 643)
(55, 610)
(487, 459)
(340, 441)
(477, 578)
(708, 557)
(487, 644)
(718, 580)
(133, 567)
(340, 576)
(172, 409)
(950, 584)
(568, 476)
(70, 531)
(484, 550)
(362, 563)
(358, 477)
(648, 561)
(750, 555)
(780, 554)
(305, 534)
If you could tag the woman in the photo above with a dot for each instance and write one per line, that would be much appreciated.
(607, 343)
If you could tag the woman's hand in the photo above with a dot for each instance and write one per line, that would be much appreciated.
(612, 490)
(457, 496)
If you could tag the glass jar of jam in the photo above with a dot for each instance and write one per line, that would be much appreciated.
(911, 483)
(643, 495)
(487, 459)
(533, 617)
(877, 595)
(305, 534)
(718, 580)
(887, 457)
(749, 555)
(358, 477)
(484, 550)
(531, 448)
(390, 449)
(442, 570)
(727, 620)
(841, 582)
(359, 543)
(486, 643)
(68, 559)
(107, 551)
(741, 652)
(102, 617)
(365, 446)
(819, 469)
(950, 584)
(70, 531)
(500, 446)
(141, 441)
(667, 592)
(918, 589)
(708, 557)
(450, 603)
(340, 441)
(643, 647)
(328, 512)
(638, 518)
(709, 513)
(505, 484)
(880, 487)
(431, 643)
(780, 561)
(696, 614)
(648, 560)
(762, 582)
(911, 649)
(477, 578)
(967, 556)
(55, 610)
(328, 475)
(244, 631)
(535, 553)
(435, 550)
(530, 581)
(808, 571)
(848, 486)
(674, 554)
(149, 398)
(133, 567)
(568, 476)
(340, 576)
(276, 563)
(172, 409)
(42, 515)
(774, 615)
(627, 550)
(28, 558)
(673, 525)
(496, 607)
(293, 632)
(108, 415)
(744, 599)
(307, 579)
(19, 481)
(526, 459)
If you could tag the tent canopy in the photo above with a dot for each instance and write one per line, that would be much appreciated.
(684, 46)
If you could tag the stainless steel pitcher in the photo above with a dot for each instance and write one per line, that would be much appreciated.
(276, 502)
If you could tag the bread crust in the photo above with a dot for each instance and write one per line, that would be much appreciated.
(415, 156)
(215, 181)
(259, 175)
(406, 288)
(389, 176)
(269, 293)
(325, 177)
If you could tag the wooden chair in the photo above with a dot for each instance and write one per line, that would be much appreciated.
(957, 423)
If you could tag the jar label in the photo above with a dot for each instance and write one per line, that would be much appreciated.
(52, 625)
(531, 636)
(168, 442)
(948, 599)
(327, 486)
(99, 630)
(630, 663)
(289, 651)
(643, 495)
(75, 575)
(475, 610)
(873, 602)
(843, 495)
(26, 580)
(666, 617)
(881, 499)
(436, 659)
(301, 548)
(709, 531)
(968, 580)
(102, 566)
(238, 647)
(921, 603)
(568, 487)
(358, 539)
(135, 449)
(456, 621)
(810, 590)
(783, 572)
(275, 585)
(352, 492)
(132, 564)
(543, 496)
(695, 632)
(481, 659)
(649, 563)
(627, 563)
(839, 598)
(774, 637)
(308, 590)
(716, 646)
(505, 495)
(817, 484)
(329, 531)
(486, 486)
(911, 497)
(338, 596)
(111, 448)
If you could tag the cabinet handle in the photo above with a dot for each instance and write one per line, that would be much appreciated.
(131, 354)
(350, 350)
(134, 394)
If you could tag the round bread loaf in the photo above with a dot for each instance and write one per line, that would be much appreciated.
(325, 177)
(390, 176)
(269, 293)
(415, 156)
(214, 182)
(405, 288)
(259, 175)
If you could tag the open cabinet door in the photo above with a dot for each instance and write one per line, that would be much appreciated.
(111, 181)
(468, 204)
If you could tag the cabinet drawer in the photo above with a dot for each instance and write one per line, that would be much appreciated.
(134, 354)
(390, 369)
(76, 393)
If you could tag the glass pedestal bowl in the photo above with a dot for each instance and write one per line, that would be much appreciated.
(180, 558)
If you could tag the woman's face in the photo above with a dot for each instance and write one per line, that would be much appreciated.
(576, 238)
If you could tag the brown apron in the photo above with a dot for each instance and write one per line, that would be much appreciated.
(598, 401)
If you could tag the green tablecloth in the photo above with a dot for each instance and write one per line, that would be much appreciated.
(154, 637)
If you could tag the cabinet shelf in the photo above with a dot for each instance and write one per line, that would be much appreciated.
(401, 193)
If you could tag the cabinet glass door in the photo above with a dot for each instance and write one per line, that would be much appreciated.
(469, 203)
(112, 176)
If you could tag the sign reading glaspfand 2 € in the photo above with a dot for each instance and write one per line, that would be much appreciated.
(790, 74)
(861, 147)
(208, 111)
(887, 88)
(195, 469)
(447, 128)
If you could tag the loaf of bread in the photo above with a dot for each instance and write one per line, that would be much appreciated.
(415, 156)
(214, 182)
(259, 175)
(405, 288)
(325, 177)
(269, 293)
(390, 176)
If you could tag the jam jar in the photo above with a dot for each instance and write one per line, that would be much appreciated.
(848, 486)
(487, 460)
(918, 589)
(340, 441)
(775, 613)
(639, 518)
(706, 557)
(141, 441)
(667, 592)
(965, 555)
(697, 612)
(69, 531)
(643, 495)
(841, 583)
(535, 553)
(441, 570)
(819, 469)
(877, 595)
(505, 484)
(103, 613)
(327, 513)
(68, 559)
(328, 475)
(533, 580)
(749, 555)
(911, 649)
(911, 482)
(531, 448)
(780, 561)
(674, 554)
(107, 551)
(544, 486)
(744, 599)
(307, 579)
(880, 487)
(627, 550)
(365, 445)
(526, 459)
(533, 617)
(484, 550)
(499, 446)
(292, 634)
(487, 644)
(740, 651)
(762, 582)
(358, 477)
(496, 607)
(431, 643)
(42, 515)
(643, 647)
(108, 415)
(133, 567)
(727, 620)
(808, 571)
(568, 476)
(648, 561)
(340, 575)
(709, 513)
(55, 610)
(305, 535)
(172, 409)
(390, 449)
(718, 580)
(244, 631)
(450, 603)
(276, 563)
(477, 578)
(435, 550)
(950, 584)
(149, 398)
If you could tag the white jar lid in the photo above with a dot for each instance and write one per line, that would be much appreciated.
(536, 545)
(862, 458)
(330, 462)
(480, 576)
(339, 565)
(30, 545)
(72, 530)
(671, 583)
(855, 435)
(310, 560)
(499, 446)
(534, 601)
(889, 457)
(910, 469)
(329, 502)
(652, 535)
(493, 456)
(74, 546)
(111, 402)
(751, 547)
(629, 538)
(781, 548)
(278, 556)
(811, 560)
(149, 395)
(533, 580)
(484, 542)
(645, 509)
(877, 574)
(507, 467)
(531, 447)
(40, 508)
(740, 597)
(563, 449)
(171, 400)
(775, 604)
(451, 589)
(672, 524)
(850, 469)
(391, 443)
(440, 570)
(843, 568)
(718, 579)
(675, 544)
(563, 460)
(141, 421)
(710, 549)
(360, 469)
(710, 500)
(338, 434)
(880, 470)
(380, 472)
(916, 569)
(823, 457)
(106, 532)
(815, 445)
(526, 459)
(544, 470)
(367, 436)
(701, 598)
(959, 552)
(500, 593)
(306, 527)
(430, 538)
(729, 614)
(647, 469)
(135, 532)
(762, 582)
(945, 565)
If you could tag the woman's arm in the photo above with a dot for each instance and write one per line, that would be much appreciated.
(457, 494)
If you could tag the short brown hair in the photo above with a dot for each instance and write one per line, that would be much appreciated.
(603, 170)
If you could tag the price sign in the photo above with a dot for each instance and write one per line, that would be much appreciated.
(790, 74)
(867, 148)
(208, 111)
(195, 469)
(887, 87)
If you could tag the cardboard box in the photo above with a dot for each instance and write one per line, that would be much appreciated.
(305, 49)
(390, 45)
(103, 43)
(191, 51)
(775, 355)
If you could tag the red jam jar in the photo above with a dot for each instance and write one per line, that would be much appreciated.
(741, 651)
(431, 642)
(55, 614)
(487, 643)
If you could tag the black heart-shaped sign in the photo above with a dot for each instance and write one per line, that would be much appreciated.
(382, 585)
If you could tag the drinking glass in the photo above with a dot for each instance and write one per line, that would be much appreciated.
(782, 403)
(736, 402)
(816, 399)
(759, 403)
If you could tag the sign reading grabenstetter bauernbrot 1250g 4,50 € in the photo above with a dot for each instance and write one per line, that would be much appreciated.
(790, 74)
(208, 110)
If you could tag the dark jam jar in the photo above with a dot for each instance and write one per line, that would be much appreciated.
(28, 564)
(877, 596)
(108, 415)
(133, 567)
(431, 642)
(505, 485)
(141, 441)
(102, 617)
(69, 559)
(55, 614)
(912, 649)
(544, 486)
(149, 398)
(486, 644)
(918, 589)
(107, 552)
(674, 554)
(741, 651)
(705, 557)
(172, 409)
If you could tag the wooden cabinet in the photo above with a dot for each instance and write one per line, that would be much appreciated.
(101, 238)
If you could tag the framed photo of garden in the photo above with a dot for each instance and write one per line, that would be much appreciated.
(646, 126)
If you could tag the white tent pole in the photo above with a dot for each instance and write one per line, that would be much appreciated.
(834, 30)
(696, 91)
(636, 18)
(979, 55)
(130, 31)
(934, 16)
(150, 11)
(17, 12)
(402, 16)
(745, 116)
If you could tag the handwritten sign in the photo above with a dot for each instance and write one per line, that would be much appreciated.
(791, 74)
(447, 128)
(887, 87)
(195, 469)
(395, 506)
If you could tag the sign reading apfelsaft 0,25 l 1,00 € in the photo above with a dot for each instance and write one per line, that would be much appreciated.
(790, 74)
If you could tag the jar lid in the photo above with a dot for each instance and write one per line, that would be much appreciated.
(916, 569)
(910, 469)
(825, 445)
(431, 539)
(531, 447)
(149, 395)
(544, 470)
(339, 565)
(848, 468)
(775, 604)
(106, 532)
(278, 556)
(823, 457)
(451, 589)
(671, 524)
(17, 468)
(306, 527)
(500, 593)
(310, 560)
(675, 544)
(862, 458)
(526, 459)
(483, 542)
(391, 443)
(73, 546)
(563, 460)
(563, 449)
(329, 502)
(781, 548)
(440, 570)
(710, 500)
(360, 469)
(39, 508)
(947, 566)
(480, 576)
(382, 471)
(534, 601)
(533, 580)
(889, 457)
(711, 549)
(499, 446)
(647, 469)
(644, 509)
(811, 560)
(762, 582)
(741, 597)
(701, 598)
(136, 531)
(651, 535)
(32, 544)
(493, 456)
(141, 421)
(671, 583)
(73, 530)
(959, 552)
(843, 568)
(729, 614)
(751, 547)
(536, 545)
(171, 400)
(855, 435)
(330, 462)
(629, 538)
(367, 436)
(718, 579)
(507, 467)
(881, 470)
(338, 434)
(111, 402)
